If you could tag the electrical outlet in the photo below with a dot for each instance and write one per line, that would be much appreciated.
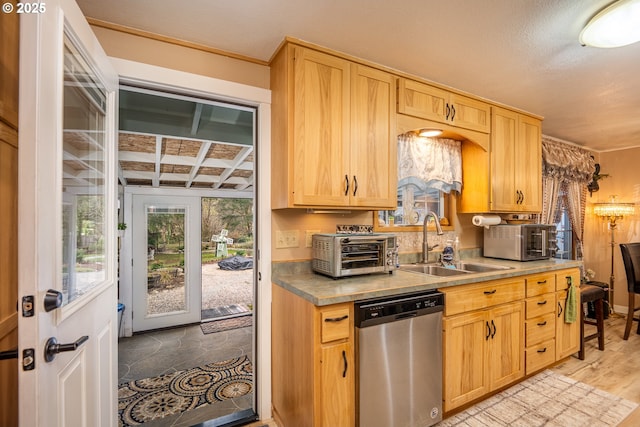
(286, 239)
(308, 238)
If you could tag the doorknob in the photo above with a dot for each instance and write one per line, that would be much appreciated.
(51, 348)
(52, 300)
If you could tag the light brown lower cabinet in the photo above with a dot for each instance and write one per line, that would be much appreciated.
(567, 334)
(483, 349)
(313, 368)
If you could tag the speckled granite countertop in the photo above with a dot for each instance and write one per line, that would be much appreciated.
(298, 278)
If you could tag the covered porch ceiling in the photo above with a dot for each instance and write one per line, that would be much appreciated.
(174, 141)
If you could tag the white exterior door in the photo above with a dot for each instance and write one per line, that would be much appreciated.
(67, 218)
(167, 268)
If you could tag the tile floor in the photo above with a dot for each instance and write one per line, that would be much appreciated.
(160, 352)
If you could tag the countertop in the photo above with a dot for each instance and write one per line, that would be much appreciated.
(321, 290)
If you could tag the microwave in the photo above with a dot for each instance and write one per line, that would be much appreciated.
(341, 255)
(522, 242)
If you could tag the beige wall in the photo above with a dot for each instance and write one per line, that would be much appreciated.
(623, 181)
(163, 54)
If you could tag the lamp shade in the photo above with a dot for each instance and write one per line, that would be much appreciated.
(613, 209)
(616, 25)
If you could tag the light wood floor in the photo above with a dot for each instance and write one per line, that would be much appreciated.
(616, 369)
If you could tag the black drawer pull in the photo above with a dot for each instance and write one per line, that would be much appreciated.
(544, 350)
(542, 302)
(542, 323)
(490, 292)
(542, 282)
(336, 319)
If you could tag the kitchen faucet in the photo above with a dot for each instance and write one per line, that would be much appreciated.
(425, 241)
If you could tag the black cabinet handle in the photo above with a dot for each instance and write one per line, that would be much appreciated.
(336, 319)
(9, 354)
(448, 112)
(453, 112)
(542, 282)
(493, 334)
(542, 323)
(544, 350)
(355, 185)
(490, 292)
(346, 181)
(346, 365)
(559, 309)
(488, 331)
(52, 347)
(542, 302)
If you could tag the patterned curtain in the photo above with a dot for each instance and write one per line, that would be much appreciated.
(566, 171)
(429, 162)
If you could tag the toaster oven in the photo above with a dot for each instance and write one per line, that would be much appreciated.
(521, 242)
(341, 255)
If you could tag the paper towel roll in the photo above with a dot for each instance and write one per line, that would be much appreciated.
(486, 220)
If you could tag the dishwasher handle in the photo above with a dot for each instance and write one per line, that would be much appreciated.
(406, 315)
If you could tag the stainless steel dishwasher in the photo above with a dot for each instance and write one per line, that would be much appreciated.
(399, 348)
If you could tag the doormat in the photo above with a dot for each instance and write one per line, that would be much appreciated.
(226, 324)
(225, 310)
(547, 399)
(149, 399)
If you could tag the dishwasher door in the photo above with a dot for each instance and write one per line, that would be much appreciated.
(400, 372)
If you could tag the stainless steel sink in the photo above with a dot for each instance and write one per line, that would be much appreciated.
(461, 268)
(432, 269)
(480, 268)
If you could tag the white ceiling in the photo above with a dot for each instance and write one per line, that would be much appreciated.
(523, 53)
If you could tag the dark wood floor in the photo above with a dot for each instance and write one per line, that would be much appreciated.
(616, 369)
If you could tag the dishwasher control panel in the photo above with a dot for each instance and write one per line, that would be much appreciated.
(376, 311)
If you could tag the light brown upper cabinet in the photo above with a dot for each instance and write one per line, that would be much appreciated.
(516, 162)
(439, 105)
(508, 176)
(333, 132)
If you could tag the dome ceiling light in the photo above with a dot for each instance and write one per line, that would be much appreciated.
(616, 25)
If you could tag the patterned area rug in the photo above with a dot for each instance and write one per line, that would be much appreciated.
(226, 324)
(149, 399)
(547, 399)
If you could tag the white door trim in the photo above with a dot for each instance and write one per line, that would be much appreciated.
(162, 78)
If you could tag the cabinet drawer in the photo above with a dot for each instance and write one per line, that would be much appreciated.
(562, 282)
(460, 299)
(335, 324)
(540, 329)
(541, 355)
(539, 305)
(540, 284)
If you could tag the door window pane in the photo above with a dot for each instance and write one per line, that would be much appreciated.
(165, 260)
(83, 176)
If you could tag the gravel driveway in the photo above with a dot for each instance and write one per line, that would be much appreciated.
(219, 288)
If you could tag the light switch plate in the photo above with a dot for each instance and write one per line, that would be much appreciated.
(287, 239)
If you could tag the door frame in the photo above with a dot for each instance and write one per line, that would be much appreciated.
(163, 79)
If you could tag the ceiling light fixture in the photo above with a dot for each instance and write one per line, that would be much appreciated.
(429, 132)
(616, 25)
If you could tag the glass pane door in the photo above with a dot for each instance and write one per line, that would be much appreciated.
(166, 261)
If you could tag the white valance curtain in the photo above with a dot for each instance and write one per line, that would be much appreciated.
(429, 162)
(566, 171)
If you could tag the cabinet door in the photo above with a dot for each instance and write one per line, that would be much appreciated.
(421, 100)
(373, 140)
(321, 129)
(465, 358)
(528, 161)
(470, 113)
(506, 346)
(337, 386)
(567, 334)
(504, 127)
